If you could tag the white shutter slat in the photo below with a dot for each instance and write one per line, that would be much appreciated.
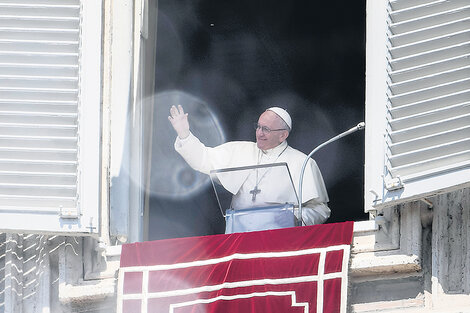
(38, 57)
(428, 57)
(38, 142)
(40, 2)
(433, 167)
(400, 5)
(427, 141)
(435, 43)
(39, 189)
(37, 178)
(39, 203)
(33, 165)
(46, 112)
(39, 117)
(39, 154)
(427, 115)
(28, 210)
(61, 22)
(415, 72)
(24, 9)
(39, 82)
(38, 69)
(425, 129)
(13, 33)
(435, 91)
(441, 17)
(37, 94)
(444, 77)
(37, 46)
(430, 32)
(36, 107)
(422, 8)
(429, 152)
(37, 130)
(429, 104)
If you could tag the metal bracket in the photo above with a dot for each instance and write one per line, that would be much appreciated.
(69, 213)
(382, 222)
(376, 195)
(91, 227)
(392, 184)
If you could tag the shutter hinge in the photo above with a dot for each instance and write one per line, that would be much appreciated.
(68, 212)
(392, 184)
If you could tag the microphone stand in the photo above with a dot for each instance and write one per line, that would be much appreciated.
(359, 126)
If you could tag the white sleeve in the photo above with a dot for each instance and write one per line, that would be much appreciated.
(314, 212)
(194, 152)
(203, 158)
(313, 184)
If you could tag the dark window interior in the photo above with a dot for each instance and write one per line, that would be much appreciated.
(232, 60)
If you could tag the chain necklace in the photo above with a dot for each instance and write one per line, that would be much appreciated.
(255, 191)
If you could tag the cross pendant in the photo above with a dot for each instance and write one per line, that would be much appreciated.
(254, 192)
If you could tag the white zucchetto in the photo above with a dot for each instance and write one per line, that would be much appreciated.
(282, 114)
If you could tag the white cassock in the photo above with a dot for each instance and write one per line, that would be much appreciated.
(245, 153)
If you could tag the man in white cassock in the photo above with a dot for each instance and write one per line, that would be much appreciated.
(259, 187)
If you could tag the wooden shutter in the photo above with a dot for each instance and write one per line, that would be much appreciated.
(426, 142)
(41, 108)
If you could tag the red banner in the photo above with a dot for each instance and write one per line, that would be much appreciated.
(300, 269)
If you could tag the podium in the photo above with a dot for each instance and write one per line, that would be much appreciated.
(258, 197)
(290, 270)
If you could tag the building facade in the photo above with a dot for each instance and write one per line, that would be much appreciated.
(75, 146)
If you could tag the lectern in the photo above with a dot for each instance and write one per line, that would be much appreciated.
(258, 197)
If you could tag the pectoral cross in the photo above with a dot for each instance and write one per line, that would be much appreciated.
(254, 192)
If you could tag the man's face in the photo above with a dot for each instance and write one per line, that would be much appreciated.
(269, 140)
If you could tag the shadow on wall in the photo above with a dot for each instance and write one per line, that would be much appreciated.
(29, 272)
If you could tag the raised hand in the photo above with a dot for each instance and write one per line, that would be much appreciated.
(179, 121)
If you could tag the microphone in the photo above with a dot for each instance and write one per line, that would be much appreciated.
(359, 126)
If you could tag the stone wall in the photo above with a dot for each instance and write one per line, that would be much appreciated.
(429, 269)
